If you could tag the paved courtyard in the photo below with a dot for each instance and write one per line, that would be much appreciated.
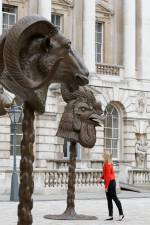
(136, 210)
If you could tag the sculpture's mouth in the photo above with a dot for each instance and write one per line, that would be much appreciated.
(96, 119)
(81, 79)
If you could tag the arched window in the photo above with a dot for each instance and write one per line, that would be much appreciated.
(112, 131)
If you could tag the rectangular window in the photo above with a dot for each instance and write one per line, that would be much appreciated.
(9, 16)
(57, 21)
(99, 43)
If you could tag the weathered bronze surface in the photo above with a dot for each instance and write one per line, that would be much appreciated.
(5, 101)
(82, 114)
(26, 167)
(34, 54)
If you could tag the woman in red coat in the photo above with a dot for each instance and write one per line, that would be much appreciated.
(110, 186)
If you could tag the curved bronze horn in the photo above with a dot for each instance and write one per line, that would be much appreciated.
(2, 42)
(21, 33)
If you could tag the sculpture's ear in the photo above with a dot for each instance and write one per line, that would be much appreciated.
(46, 44)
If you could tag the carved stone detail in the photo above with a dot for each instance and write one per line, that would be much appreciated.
(141, 102)
(141, 151)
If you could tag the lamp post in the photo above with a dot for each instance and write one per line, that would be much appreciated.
(14, 114)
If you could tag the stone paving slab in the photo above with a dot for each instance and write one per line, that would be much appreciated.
(83, 196)
(137, 212)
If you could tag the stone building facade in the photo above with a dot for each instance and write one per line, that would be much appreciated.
(113, 38)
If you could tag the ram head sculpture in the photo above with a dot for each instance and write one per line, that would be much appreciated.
(33, 54)
(81, 115)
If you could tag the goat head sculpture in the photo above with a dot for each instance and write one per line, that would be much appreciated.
(34, 54)
(82, 114)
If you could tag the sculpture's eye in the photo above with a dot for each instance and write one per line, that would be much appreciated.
(67, 45)
(83, 109)
(50, 45)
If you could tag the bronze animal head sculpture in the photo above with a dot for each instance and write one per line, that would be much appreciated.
(34, 54)
(5, 102)
(82, 114)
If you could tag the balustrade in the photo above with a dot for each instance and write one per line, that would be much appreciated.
(139, 176)
(107, 69)
(59, 178)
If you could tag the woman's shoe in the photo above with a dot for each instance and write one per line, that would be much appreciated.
(121, 217)
(109, 218)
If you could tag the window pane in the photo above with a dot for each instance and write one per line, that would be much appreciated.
(99, 27)
(5, 18)
(12, 19)
(58, 20)
(114, 143)
(109, 109)
(52, 18)
(11, 138)
(108, 132)
(98, 58)
(99, 37)
(115, 133)
(115, 112)
(98, 47)
(109, 121)
(108, 143)
(65, 148)
(115, 122)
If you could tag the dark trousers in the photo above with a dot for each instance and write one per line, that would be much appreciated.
(111, 195)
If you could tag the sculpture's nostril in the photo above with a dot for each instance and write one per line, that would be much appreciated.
(87, 74)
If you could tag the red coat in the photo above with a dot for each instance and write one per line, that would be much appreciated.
(108, 173)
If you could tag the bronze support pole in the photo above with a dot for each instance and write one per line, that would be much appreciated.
(70, 210)
(69, 213)
(26, 168)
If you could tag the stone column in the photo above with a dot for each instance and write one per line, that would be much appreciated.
(44, 8)
(89, 34)
(32, 7)
(144, 62)
(129, 38)
(77, 42)
(138, 39)
(1, 17)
